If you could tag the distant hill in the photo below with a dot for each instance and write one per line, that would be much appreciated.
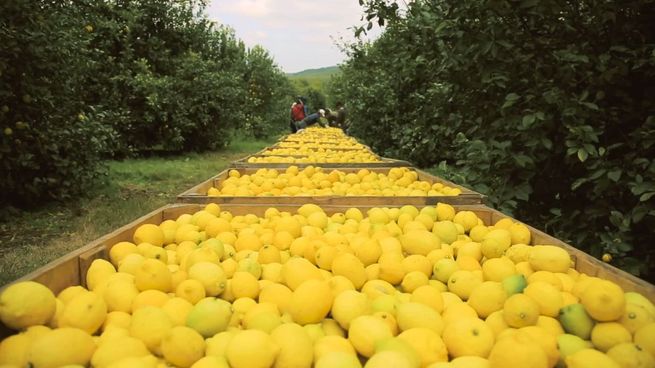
(320, 73)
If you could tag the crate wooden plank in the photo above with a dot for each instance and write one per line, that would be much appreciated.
(384, 162)
(198, 194)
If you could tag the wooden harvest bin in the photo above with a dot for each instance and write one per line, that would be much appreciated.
(384, 162)
(198, 194)
(71, 269)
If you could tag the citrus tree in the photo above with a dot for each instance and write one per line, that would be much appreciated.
(541, 104)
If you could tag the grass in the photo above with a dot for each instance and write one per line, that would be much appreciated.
(131, 189)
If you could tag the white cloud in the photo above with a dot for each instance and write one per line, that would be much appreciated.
(298, 33)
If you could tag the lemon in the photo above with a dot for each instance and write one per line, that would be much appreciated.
(391, 270)
(498, 269)
(468, 337)
(518, 252)
(209, 316)
(263, 316)
(349, 266)
(645, 338)
(251, 349)
(182, 346)
(590, 358)
(98, 272)
(310, 302)
(153, 274)
(413, 280)
(119, 295)
(177, 310)
(512, 352)
(549, 258)
(487, 298)
(331, 344)
(297, 270)
(631, 355)
(14, 350)
(120, 250)
(470, 362)
(411, 315)
(217, 344)
(348, 305)
(546, 296)
(444, 268)
(520, 310)
(211, 362)
(543, 338)
(153, 298)
(48, 351)
(496, 322)
(117, 349)
(86, 311)
(430, 296)
(365, 331)
(191, 290)
(211, 275)
(550, 325)
(203, 254)
(457, 310)
(150, 325)
(130, 263)
(25, 304)
(608, 334)
(149, 233)
(419, 242)
(369, 251)
(296, 348)
(603, 300)
(389, 359)
(428, 345)
(462, 283)
(338, 359)
(445, 230)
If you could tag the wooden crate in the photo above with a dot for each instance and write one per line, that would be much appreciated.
(384, 162)
(71, 269)
(198, 194)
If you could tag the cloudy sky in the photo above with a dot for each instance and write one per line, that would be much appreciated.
(299, 34)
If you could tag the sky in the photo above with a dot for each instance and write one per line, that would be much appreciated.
(299, 34)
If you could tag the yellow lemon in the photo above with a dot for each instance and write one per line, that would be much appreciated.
(14, 350)
(430, 296)
(117, 349)
(182, 346)
(86, 311)
(251, 349)
(411, 315)
(153, 274)
(631, 355)
(419, 242)
(348, 305)
(349, 266)
(338, 359)
(590, 358)
(191, 290)
(244, 284)
(520, 310)
(25, 304)
(298, 270)
(331, 344)
(645, 338)
(119, 295)
(211, 275)
(518, 353)
(365, 331)
(310, 302)
(462, 283)
(487, 298)
(48, 351)
(603, 300)
(428, 345)
(211, 362)
(549, 258)
(296, 348)
(149, 233)
(468, 337)
(120, 250)
(150, 325)
(608, 334)
(546, 296)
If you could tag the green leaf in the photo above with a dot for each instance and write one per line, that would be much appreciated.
(582, 155)
(615, 175)
(646, 196)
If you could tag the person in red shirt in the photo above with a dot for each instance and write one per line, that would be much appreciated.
(297, 114)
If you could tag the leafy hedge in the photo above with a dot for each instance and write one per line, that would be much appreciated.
(82, 81)
(545, 105)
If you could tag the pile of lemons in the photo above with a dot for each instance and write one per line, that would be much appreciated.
(320, 134)
(307, 150)
(319, 157)
(392, 287)
(315, 181)
(349, 143)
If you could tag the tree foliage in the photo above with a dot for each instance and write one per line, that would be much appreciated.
(84, 80)
(541, 104)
